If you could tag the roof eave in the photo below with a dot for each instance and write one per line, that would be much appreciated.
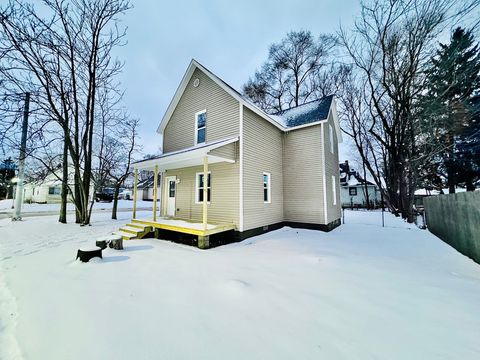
(336, 120)
(183, 84)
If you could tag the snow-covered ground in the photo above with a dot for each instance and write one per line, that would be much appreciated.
(6, 206)
(358, 292)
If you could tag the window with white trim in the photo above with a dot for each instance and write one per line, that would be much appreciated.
(200, 126)
(334, 190)
(330, 131)
(267, 189)
(200, 185)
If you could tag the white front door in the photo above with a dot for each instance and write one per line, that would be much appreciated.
(171, 192)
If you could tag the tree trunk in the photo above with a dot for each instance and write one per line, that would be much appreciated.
(115, 201)
(451, 186)
(470, 186)
(64, 197)
(78, 205)
(451, 181)
(367, 198)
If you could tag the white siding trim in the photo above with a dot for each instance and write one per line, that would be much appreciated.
(241, 167)
(324, 177)
(330, 137)
(334, 189)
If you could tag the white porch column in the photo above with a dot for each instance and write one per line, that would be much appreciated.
(205, 192)
(155, 180)
(135, 182)
(162, 193)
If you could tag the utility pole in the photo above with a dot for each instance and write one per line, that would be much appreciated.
(21, 162)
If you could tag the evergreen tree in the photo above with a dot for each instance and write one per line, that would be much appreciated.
(468, 149)
(452, 82)
(7, 173)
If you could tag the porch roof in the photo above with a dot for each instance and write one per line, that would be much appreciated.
(192, 156)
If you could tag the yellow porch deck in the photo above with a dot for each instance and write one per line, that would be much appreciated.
(185, 226)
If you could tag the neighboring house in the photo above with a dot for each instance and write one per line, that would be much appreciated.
(354, 189)
(145, 188)
(263, 171)
(49, 189)
(46, 191)
(353, 193)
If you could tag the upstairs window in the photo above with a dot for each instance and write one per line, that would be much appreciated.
(201, 185)
(330, 131)
(352, 191)
(200, 126)
(266, 188)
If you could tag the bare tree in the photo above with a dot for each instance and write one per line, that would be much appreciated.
(289, 76)
(119, 155)
(65, 58)
(390, 46)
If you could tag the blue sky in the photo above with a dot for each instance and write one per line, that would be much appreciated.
(231, 38)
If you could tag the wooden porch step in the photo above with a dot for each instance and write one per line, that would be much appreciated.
(140, 226)
(125, 235)
(142, 223)
(132, 230)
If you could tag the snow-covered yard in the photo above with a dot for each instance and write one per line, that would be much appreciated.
(359, 292)
(6, 206)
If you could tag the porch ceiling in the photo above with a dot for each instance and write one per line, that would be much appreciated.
(187, 157)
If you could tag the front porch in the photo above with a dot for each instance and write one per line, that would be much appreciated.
(139, 228)
(186, 215)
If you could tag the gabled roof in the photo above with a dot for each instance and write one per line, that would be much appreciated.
(230, 90)
(276, 120)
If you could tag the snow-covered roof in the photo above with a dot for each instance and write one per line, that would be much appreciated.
(300, 116)
(354, 182)
(306, 113)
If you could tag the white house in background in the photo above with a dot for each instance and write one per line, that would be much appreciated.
(354, 189)
(145, 189)
(47, 191)
(353, 193)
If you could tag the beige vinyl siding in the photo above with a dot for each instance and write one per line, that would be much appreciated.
(303, 180)
(331, 169)
(222, 114)
(228, 151)
(224, 202)
(262, 152)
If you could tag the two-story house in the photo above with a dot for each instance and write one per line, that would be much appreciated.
(230, 168)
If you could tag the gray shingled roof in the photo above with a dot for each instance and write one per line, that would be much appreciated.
(312, 111)
(306, 113)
